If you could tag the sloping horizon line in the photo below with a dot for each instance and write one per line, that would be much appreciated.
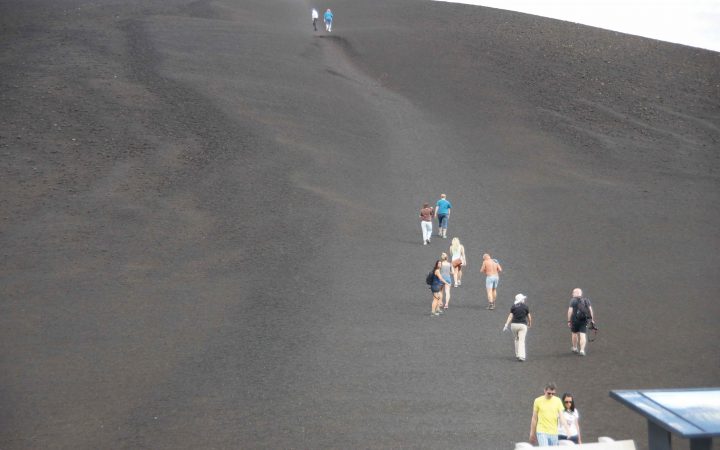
(693, 23)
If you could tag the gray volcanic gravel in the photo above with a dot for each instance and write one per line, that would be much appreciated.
(210, 238)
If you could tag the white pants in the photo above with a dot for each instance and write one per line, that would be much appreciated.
(426, 230)
(519, 331)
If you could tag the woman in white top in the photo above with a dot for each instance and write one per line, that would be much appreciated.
(572, 418)
(457, 250)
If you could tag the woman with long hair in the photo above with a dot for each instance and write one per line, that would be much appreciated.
(445, 271)
(437, 287)
(572, 418)
(457, 250)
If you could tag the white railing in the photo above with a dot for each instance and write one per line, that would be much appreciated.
(603, 443)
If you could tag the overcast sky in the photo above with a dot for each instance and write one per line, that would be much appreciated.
(690, 22)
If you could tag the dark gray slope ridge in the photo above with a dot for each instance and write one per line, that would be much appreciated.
(210, 231)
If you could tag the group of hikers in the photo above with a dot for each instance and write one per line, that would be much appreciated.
(553, 419)
(448, 270)
(327, 18)
(446, 273)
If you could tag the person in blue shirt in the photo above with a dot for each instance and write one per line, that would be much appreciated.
(442, 212)
(328, 17)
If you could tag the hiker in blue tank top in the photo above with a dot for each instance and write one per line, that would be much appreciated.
(436, 287)
(328, 18)
(442, 212)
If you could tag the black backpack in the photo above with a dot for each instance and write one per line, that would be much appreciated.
(582, 311)
(430, 277)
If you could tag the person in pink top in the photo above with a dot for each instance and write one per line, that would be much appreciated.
(426, 215)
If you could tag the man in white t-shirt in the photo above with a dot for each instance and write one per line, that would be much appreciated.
(315, 16)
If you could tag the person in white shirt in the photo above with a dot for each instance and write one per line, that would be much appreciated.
(315, 16)
(572, 418)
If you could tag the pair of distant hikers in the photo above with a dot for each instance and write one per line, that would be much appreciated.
(327, 17)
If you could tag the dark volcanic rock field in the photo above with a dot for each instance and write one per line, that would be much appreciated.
(209, 226)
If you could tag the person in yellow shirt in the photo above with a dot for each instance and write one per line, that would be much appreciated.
(547, 412)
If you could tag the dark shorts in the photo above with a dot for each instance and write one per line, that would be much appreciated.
(577, 326)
